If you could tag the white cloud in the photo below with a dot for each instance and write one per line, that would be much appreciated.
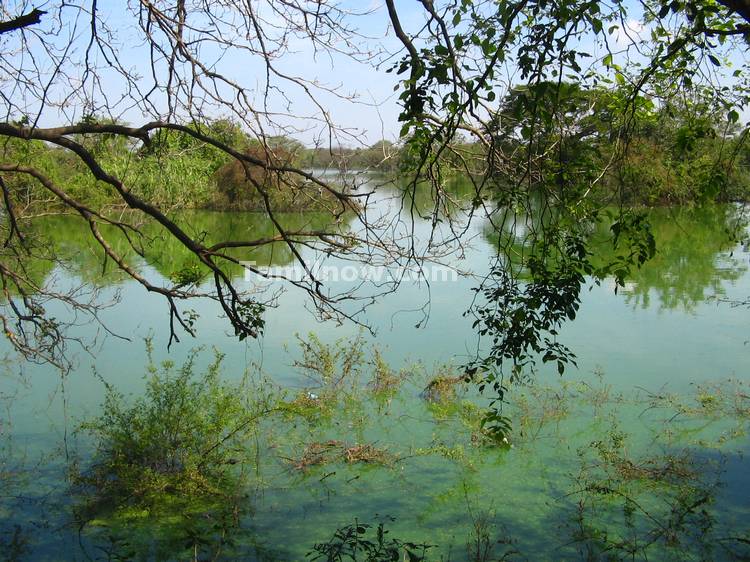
(632, 32)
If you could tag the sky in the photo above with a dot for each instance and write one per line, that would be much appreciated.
(365, 106)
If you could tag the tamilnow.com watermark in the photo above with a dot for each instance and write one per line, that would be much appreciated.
(431, 273)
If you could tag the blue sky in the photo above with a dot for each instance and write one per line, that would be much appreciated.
(371, 110)
(365, 106)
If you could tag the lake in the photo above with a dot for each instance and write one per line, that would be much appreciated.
(663, 360)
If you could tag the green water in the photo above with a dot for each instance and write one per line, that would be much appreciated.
(666, 332)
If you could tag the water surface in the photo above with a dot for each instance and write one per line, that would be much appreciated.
(668, 330)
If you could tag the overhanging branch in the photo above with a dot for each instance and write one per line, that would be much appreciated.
(739, 7)
(32, 18)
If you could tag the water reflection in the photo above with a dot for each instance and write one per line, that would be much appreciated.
(438, 462)
(692, 262)
(66, 242)
(694, 258)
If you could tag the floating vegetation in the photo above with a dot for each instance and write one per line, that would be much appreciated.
(442, 387)
(316, 454)
(313, 407)
(366, 453)
(385, 381)
(199, 467)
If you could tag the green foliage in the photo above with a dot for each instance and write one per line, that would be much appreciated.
(361, 541)
(441, 387)
(333, 376)
(563, 138)
(524, 303)
(524, 318)
(496, 427)
(334, 367)
(189, 275)
(381, 156)
(171, 463)
(178, 436)
(686, 154)
(384, 382)
(248, 187)
(173, 169)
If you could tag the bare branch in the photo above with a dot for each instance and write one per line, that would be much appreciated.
(32, 18)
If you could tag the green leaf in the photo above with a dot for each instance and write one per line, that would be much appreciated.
(441, 50)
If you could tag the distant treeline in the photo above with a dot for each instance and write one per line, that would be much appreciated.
(600, 141)
(672, 154)
(383, 156)
(173, 170)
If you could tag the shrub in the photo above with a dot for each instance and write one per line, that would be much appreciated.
(168, 474)
(178, 450)
(237, 186)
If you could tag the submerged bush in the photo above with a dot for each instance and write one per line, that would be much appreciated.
(384, 381)
(170, 465)
(182, 434)
(332, 374)
(169, 480)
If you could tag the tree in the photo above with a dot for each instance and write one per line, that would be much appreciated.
(508, 93)
(72, 77)
(540, 185)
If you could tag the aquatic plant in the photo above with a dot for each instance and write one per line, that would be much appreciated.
(385, 381)
(442, 386)
(366, 453)
(617, 496)
(363, 542)
(179, 435)
(332, 451)
(486, 537)
(171, 463)
(335, 373)
(331, 367)
(644, 507)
